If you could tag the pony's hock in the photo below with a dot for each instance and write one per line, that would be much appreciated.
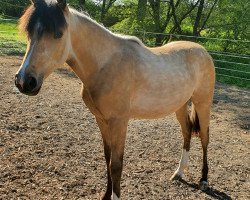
(122, 79)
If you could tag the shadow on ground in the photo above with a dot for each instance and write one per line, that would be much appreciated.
(216, 194)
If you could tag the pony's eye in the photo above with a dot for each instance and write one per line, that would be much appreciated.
(58, 34)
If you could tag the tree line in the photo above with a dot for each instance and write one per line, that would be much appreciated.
(228, 19)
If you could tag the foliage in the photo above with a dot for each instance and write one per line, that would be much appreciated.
(233, 24)
(13, 8)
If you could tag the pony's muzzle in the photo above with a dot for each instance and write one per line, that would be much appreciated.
(29, 85)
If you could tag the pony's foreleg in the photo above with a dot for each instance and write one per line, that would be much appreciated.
(104, 128)
(118, 130)
(184, 120)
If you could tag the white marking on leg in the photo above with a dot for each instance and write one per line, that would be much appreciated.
(114, 196)
(183, 164)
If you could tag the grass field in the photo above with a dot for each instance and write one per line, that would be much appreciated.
(11, 41)
(231, 68)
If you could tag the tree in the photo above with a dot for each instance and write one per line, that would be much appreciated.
(231, 21)
(82, 3)
(168, 16)
(200, 24)
(13, 8)
(174, 12)
(106, 4)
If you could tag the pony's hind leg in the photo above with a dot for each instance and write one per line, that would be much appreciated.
(203, 112)
(184, 120)
(202, 99)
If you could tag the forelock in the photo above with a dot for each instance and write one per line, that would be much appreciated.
(49, 16)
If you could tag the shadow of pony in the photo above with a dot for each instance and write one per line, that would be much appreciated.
(216, 194)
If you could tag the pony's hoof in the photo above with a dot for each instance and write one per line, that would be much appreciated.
(104, 196)
(176, 176)
(203, 185)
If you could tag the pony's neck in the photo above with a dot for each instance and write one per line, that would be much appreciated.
(91, 46)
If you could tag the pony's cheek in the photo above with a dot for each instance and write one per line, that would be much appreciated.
(64, 52)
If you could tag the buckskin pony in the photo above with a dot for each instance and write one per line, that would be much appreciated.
(122, 79)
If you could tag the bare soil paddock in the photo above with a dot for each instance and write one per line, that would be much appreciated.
(50, 146)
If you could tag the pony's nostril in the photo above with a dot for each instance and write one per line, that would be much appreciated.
(32, 83)
(16, 77)
(18, 85)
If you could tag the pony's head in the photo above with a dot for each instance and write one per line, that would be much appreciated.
(45, 23)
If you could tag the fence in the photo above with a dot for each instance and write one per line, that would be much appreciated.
(231, 68)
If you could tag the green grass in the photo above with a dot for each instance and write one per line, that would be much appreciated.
(11, 41)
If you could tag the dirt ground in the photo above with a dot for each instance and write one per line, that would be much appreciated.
(51, 148)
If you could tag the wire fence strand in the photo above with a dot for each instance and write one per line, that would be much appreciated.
(232, 70)
(228, 55)
(229, 76)
(235, 63)
(180, 35)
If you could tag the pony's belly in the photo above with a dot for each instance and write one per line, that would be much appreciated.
(153, 107)
(161, 91)
(150, 114)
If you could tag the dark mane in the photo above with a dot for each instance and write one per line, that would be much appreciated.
(49, 15)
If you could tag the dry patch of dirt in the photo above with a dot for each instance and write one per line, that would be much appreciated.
(51, 148)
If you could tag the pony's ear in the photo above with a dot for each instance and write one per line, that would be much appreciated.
(62, 4)
(35, 2)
